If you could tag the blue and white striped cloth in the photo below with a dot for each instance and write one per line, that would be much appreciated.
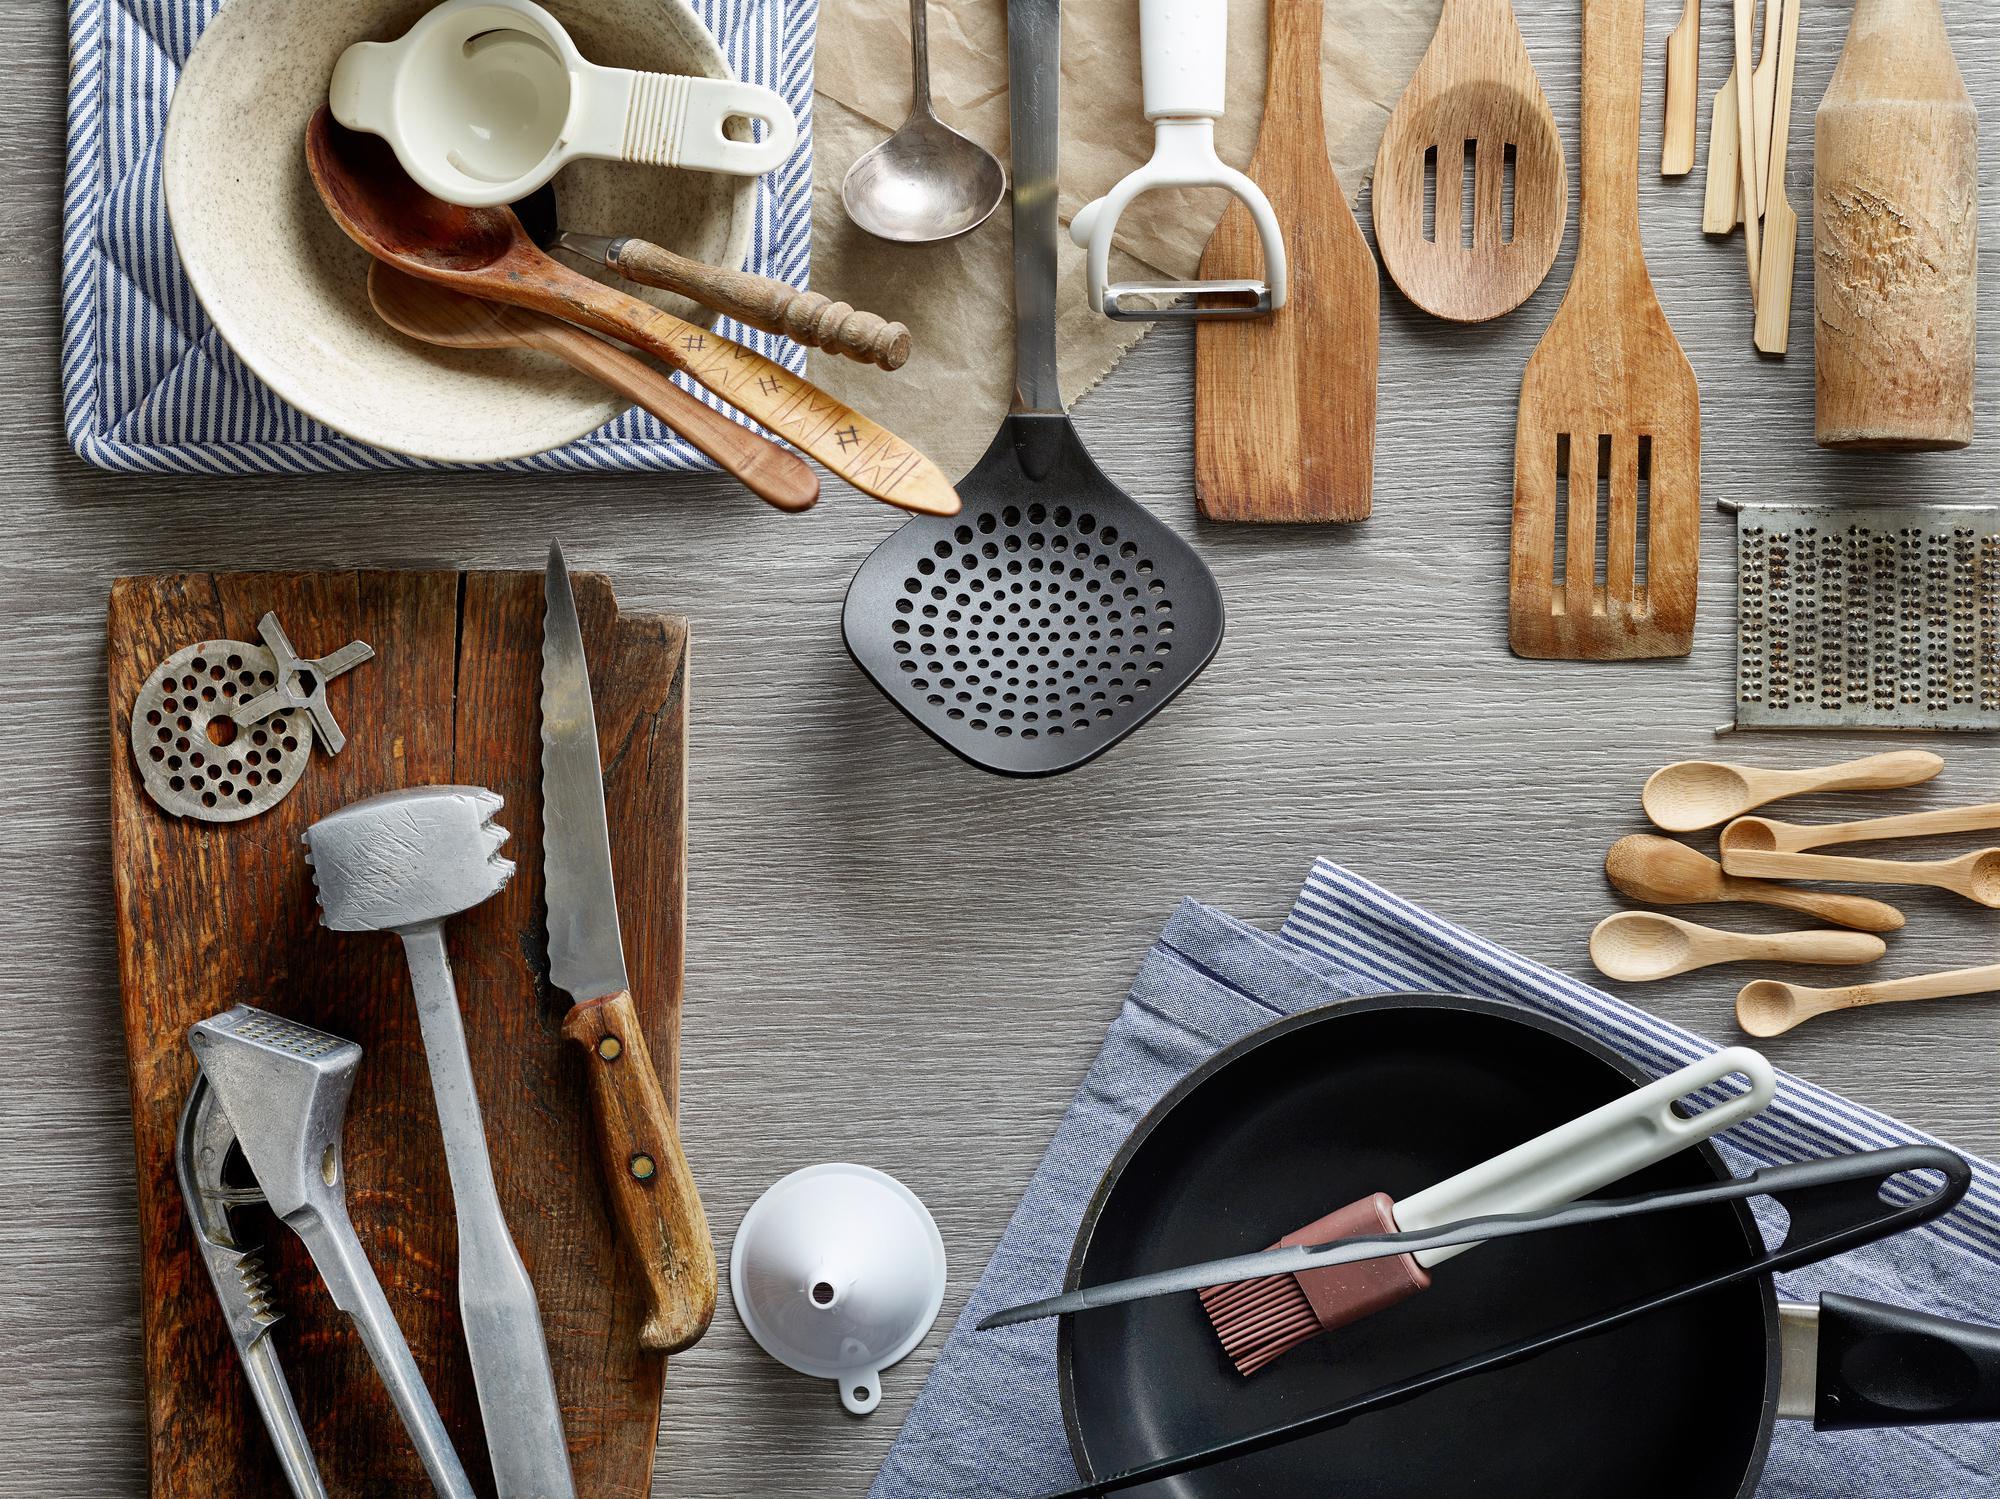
(148, 384)
(988, 1420)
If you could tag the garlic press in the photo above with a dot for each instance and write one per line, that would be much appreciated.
(1183, 60)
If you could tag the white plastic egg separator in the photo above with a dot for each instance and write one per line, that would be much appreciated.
(1183, 61)
(838, 1272)
(484, 100)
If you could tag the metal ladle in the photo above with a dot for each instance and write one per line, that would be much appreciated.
(926, 182)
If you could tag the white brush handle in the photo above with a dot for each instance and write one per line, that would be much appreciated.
(1182, 56)
(1604, 1146)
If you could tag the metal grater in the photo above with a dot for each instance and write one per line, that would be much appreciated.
(1868, 617)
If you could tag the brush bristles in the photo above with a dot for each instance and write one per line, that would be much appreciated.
(1260, 1320)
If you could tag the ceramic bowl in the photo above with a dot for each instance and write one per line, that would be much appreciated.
(288, 290)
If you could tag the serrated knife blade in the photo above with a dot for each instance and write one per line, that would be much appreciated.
(586, 949)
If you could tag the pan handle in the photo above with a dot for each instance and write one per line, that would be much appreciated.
(1885, 1365)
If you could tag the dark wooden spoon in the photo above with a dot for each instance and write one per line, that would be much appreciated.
(484, 252)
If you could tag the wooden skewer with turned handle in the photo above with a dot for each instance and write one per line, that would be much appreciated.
(1974, 876)
(1770, 1008)
(759, 301)
(1769, 835)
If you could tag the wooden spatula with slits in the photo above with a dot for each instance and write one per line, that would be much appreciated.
(1607, 453)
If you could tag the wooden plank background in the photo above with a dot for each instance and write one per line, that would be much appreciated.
(893, 958)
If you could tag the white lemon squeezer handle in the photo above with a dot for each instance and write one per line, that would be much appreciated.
(1182, 52)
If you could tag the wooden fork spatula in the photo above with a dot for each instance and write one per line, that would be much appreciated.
(1609, 435)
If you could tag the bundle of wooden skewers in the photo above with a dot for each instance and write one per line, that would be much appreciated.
(1749, 141)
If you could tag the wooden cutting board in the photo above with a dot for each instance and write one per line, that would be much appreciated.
(211, 915)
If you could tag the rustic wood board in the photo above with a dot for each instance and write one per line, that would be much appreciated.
(212, 915)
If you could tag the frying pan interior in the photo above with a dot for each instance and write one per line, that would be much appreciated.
(1393, 1094)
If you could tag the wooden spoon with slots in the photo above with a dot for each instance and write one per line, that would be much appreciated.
(1975, 876)
(437, 315)
(484, 252)
(1770, 1008)
(1474, 101)
(1661, 872)
(1608, 399)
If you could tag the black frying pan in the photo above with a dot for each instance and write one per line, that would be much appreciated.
(1392, 1094)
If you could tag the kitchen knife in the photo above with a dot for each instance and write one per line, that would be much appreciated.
(651, 1190)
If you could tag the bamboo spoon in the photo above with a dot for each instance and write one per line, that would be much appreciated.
(1771, 836)
(1698, 794)
(1661, 872)
(1475, 93)
(1769, 1008)
(484, 252)
(436, 315)
(1975, 876)
(1748, 168)
(1637, 947)
(1781, 222)
(1683, 92)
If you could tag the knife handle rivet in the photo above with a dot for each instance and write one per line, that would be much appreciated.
(643, 1166)
(610, 1048)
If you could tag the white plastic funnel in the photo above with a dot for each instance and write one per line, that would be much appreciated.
(838, 1272)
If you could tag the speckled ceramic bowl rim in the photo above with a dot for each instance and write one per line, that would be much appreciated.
(203, 58)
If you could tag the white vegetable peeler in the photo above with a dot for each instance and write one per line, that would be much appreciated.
(1182, 58)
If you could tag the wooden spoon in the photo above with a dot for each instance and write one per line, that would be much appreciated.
(1284, 406)
(1610, 413)
(484, 252)
(1637, 947)
(1698, 794)
(1974, 876)
(1662, 872)
(1770, 1008)
(1474, 107)
(437, 315)
(1771, 836)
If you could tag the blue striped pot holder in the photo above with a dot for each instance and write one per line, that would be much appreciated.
(148, 384)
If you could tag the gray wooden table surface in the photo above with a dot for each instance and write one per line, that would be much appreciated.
(892, 958)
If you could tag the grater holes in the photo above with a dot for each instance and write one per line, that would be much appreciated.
(280, 1034)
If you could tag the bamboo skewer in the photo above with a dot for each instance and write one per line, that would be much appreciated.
(1781, 221)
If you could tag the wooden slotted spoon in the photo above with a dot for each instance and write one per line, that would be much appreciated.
(1475, 123)
(1610, 422)
(484, 252)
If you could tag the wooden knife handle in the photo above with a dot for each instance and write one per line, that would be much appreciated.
(651, 1189)
(804, 316)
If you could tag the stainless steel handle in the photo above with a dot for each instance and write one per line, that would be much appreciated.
(920, 58)
(350, 1279)
(1034, 80)
(281, 1417)
(503, 1325)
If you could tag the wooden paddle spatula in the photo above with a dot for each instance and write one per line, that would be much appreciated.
(1284, 406)
(1609, 437)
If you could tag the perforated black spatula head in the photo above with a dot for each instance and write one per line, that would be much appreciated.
(1043, 623)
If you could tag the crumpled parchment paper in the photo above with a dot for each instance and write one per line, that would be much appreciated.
(957, 297)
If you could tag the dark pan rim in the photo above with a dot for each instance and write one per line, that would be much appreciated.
(1278, 1030)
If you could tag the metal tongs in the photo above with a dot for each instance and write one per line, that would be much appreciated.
(272, 1096)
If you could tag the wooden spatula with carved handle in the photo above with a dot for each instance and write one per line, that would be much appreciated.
(1609, 433)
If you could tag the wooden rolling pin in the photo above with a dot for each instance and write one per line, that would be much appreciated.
(1896, 236)
(760, 302)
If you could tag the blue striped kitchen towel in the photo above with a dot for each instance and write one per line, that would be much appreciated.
(132, 327)
(988, 1420)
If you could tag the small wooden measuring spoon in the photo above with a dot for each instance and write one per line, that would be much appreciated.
(1473, 115)
(1662, 872)
(1771, 836)
(1698, 794)
(438, 315)
(484, 252)
(1637, 947)
(1974, 876)
(1770, 1008)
